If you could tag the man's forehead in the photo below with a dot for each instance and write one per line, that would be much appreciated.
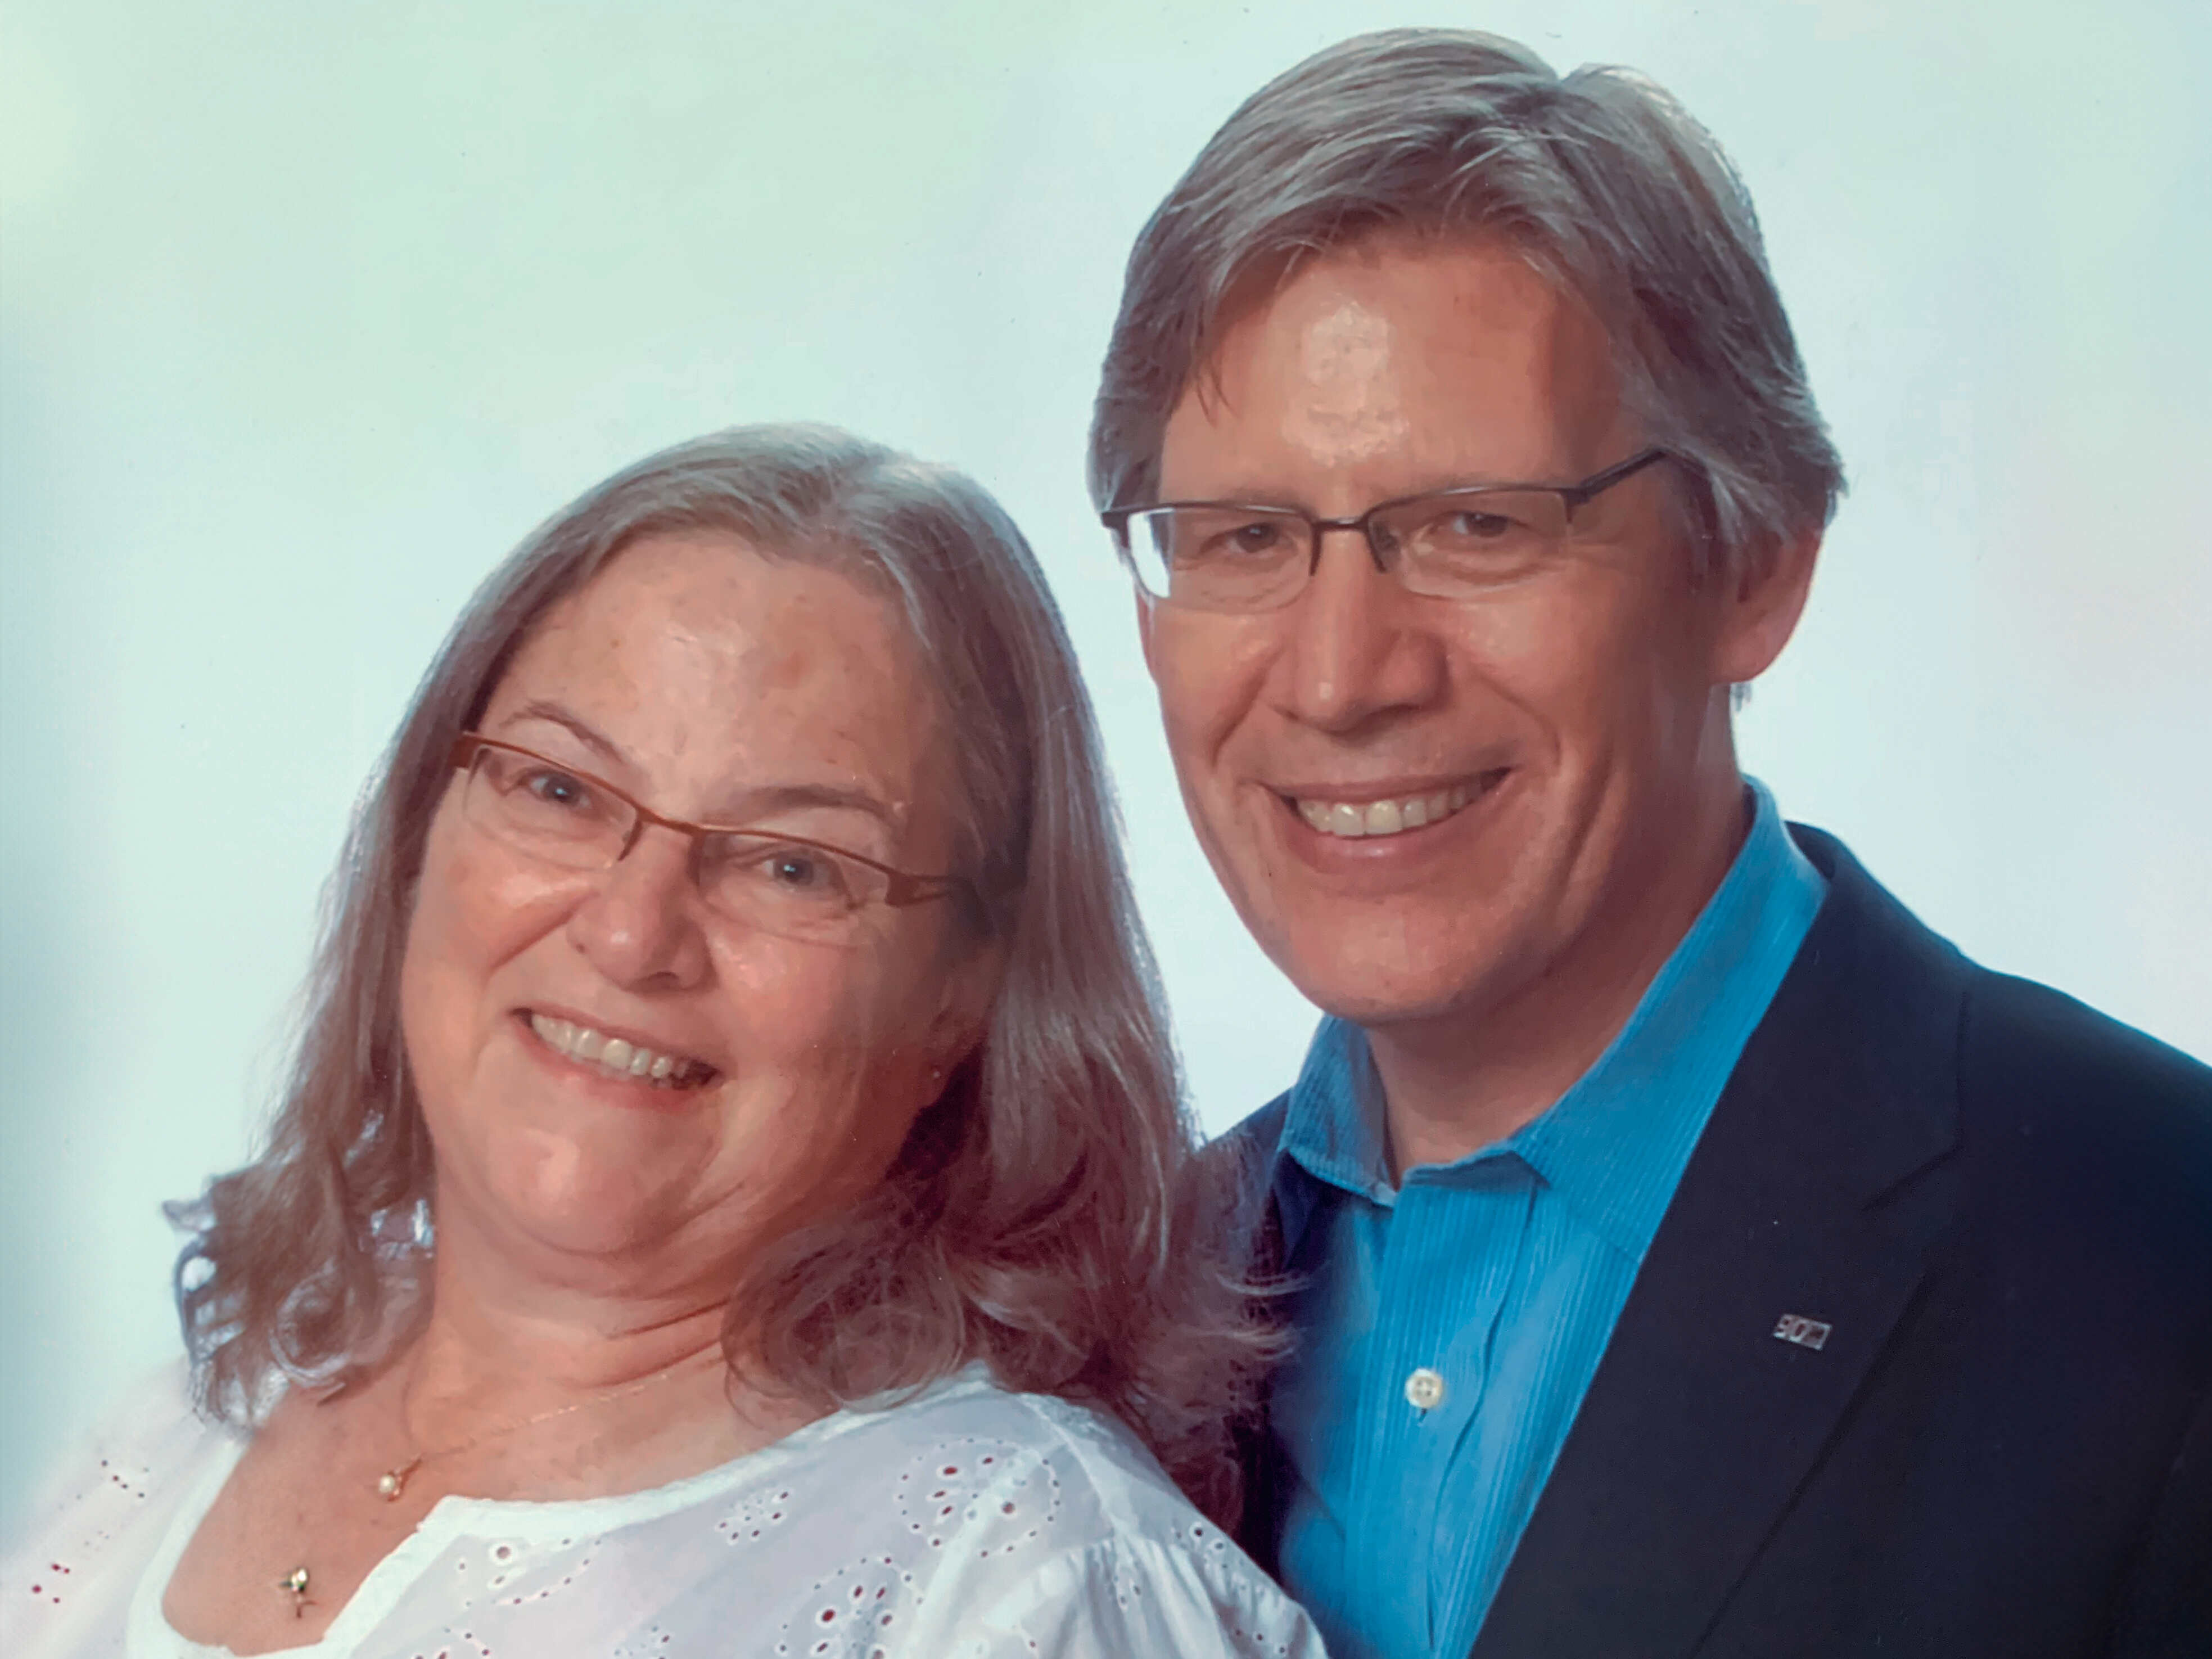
(1479, 272)
(1400, 331)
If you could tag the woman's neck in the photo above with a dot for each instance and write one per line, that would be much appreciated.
(476, 1348)
(623, 1366)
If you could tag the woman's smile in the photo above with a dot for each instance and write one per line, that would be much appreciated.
(724, 687)
(663, 1074)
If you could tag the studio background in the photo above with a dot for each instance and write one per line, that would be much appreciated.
(309, 312)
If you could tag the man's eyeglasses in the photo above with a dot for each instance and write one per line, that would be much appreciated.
(779, 883)
(1448, 544)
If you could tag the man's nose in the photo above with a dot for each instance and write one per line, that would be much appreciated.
(1360, 644)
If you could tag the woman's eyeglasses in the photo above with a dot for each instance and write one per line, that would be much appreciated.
(779, 883)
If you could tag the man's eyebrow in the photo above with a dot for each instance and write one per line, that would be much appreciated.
(1277, 499)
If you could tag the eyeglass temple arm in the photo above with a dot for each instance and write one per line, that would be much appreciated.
(1580, 494)
(903, 890)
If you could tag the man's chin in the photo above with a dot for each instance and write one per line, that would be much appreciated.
(1360, 982)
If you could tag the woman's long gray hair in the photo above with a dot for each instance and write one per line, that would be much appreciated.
(1047, 1215)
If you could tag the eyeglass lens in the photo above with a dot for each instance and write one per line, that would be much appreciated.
(756, 879)
(1458, 544)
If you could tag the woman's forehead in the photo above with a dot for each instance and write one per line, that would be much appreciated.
(703, 657)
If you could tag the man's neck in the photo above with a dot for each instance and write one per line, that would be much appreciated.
(1468, 1079)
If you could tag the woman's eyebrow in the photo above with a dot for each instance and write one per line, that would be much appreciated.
(785, 797)
(764, 798)
(542, 709)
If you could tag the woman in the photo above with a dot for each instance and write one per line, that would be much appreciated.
(725, 1200)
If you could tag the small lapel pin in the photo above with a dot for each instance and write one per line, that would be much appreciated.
(1805, 1333)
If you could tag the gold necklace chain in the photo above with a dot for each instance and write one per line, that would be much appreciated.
(391, 1485)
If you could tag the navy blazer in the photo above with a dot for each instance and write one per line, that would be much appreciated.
(1999, 1203)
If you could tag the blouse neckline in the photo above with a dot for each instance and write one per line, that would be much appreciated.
(150, 1635)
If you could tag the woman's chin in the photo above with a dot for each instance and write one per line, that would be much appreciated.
(569, 1205)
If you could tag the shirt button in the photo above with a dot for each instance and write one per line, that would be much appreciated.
(1425, 1389)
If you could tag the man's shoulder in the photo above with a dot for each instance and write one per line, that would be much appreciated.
(2037, 1035)
(2069, 1100)
(2052, 1102)
(1258, 1134)
(1242, 1163)
(2048, 1041)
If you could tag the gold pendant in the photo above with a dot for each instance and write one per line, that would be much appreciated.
(294, 1584)
(393, 1481)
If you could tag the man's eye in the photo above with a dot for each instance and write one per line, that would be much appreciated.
(1256, 537)
(1477, 527)
(1233, 541)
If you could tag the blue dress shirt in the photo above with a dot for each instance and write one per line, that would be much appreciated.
(1450, 1326)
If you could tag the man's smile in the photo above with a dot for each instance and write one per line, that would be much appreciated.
(1360, 817)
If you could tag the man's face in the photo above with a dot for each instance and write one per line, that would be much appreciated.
(1564, 735)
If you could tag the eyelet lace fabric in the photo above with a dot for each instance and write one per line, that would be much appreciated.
(968, 1523)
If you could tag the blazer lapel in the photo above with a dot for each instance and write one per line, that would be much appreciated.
(1813, 1196)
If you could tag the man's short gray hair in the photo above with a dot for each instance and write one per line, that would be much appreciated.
(1601, 180)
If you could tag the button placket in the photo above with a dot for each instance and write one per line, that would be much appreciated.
(1393, 1578)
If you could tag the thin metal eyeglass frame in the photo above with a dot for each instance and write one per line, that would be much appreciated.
(1571, 497)
(902, 888)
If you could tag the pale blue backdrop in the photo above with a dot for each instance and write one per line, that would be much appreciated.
(308, 311)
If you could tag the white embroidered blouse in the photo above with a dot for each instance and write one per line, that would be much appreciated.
(969, 1523)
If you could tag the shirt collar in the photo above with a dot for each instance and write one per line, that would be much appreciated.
(1614, 1146)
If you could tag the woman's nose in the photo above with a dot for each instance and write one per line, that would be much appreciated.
(640, 923)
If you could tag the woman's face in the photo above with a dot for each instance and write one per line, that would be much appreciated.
(714, 686)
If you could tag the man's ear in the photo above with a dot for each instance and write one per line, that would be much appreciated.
(1145, 629)
(1760, 611)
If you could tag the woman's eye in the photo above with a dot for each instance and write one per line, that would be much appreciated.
(794, 869)
(558, 789)
(802, 872)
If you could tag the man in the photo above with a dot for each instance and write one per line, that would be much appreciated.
(1688, 1252)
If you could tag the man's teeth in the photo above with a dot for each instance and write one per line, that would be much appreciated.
(1385, 817)
(616, 1057)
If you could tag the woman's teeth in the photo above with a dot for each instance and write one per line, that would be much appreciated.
(617, 1058)
(1386, 818)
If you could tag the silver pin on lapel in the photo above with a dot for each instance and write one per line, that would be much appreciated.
(1805, 1333)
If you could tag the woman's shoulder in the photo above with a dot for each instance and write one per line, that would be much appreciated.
(1047, 1519)
(150, 1437)
(75, 1551)
(966, 1434)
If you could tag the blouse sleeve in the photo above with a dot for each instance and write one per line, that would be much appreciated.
(71, 1563)
(1194, 1598)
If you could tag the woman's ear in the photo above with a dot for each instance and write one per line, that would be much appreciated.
(970, 990)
